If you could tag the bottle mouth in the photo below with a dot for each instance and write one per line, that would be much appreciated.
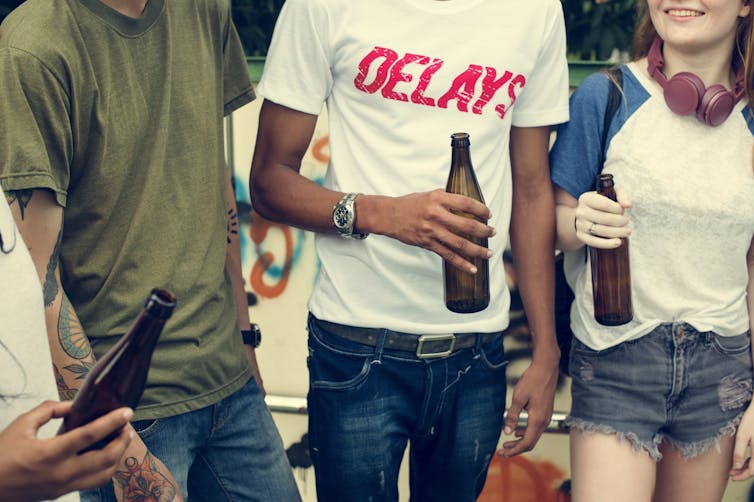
(459, 138)
(161, 302)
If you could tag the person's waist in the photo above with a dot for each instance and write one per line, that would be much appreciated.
(425, 346)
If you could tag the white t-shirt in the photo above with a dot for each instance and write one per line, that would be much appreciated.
(26, 376)
(399, 77)
(692, 215)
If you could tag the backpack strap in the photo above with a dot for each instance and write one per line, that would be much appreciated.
(614, 95)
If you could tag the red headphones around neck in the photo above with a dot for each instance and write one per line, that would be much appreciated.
(685, 92)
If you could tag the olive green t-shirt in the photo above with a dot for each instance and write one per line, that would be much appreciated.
(123, 119)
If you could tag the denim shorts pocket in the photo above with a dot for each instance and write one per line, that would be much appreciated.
(731, 345)
(335, 369)
(493, 355)
(146, 428)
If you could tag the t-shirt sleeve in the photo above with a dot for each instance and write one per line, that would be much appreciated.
(36, 142)
(297, 69)
(576, 156)
(237, 87)
(544, 99)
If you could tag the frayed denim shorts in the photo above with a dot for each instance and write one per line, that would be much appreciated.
(673, 384)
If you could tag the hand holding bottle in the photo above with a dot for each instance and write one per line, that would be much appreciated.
(34, 469)
(610, 265)
(601, 222)
(430, 220)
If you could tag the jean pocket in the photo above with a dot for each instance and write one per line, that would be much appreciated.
(335, 369)
(493, 355)
(146, 428)
(731, 345)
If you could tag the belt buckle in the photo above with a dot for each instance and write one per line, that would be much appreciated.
(435, 338)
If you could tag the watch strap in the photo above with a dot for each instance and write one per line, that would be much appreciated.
(348, 201)
(252, 336)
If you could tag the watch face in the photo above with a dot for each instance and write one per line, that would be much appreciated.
(342, 217)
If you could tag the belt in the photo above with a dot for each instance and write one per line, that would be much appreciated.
(424, 346)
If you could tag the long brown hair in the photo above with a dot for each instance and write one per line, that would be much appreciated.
(743, 52)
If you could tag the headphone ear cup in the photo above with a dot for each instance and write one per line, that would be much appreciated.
(716, 105)
(683, 93)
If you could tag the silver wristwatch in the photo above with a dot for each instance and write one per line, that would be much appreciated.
(344, 215)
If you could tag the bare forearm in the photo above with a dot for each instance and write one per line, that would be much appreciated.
(532, 235)
(532, 244)
(278, 191)
(429, 220)
(284, 196)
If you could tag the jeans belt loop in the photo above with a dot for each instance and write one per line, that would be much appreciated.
(435, 338)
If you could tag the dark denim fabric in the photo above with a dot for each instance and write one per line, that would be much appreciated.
(366, 403)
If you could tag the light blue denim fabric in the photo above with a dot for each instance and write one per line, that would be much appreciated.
(228, 451)
(366, 403)
(674, 384)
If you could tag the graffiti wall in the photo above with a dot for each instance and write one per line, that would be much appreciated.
(279, 264)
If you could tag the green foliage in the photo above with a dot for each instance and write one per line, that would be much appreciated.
(255, 20)
(6, 6)
(594, 29)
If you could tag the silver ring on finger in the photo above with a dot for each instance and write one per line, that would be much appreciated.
(591, 228)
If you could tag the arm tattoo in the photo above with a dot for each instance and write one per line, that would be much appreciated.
(81, 370)
(70, 333)
(144, 481)
(232, 224)
(74, 344)
(22, 196)
(64, 391)
(50, 287)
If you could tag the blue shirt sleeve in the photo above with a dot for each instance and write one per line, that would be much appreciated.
(576, 157)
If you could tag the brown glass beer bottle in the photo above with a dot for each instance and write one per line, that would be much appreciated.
(611, 277)
(464, 292)
(120, 375)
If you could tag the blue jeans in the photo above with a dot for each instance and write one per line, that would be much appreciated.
(367, 402)
(228, 451)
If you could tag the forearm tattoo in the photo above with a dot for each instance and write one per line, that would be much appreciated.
(80, 369)
(23, 197)
(74, 343)
(142, 481)
(65, 392)
(71, 335)
(232, 224)
(51, 288)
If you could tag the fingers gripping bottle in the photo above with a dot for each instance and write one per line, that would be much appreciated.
(464, 292)
(611, 275)
(120, 375)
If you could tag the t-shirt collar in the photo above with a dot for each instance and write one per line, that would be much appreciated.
(124, 24)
